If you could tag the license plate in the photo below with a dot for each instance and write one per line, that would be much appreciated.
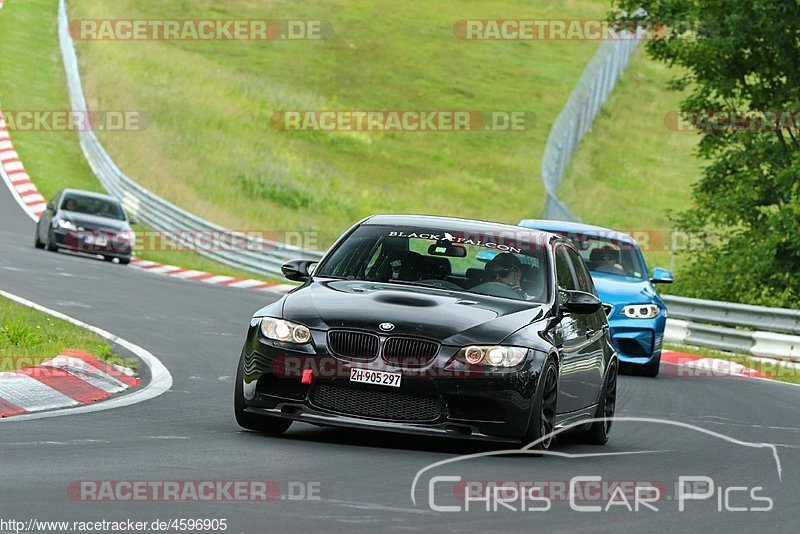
(379, 378)
(97, 240)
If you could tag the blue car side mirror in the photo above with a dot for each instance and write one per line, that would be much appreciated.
(661, 276)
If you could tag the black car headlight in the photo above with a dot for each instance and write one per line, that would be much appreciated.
(493, 355)
(286, 331)
(641, 311)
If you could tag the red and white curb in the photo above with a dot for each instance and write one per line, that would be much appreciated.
(28, 197)
(75, 381)
(694, 366)
(68, 380)
(207, 278)
(15, 176)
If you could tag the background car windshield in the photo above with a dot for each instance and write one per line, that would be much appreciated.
(93, 206)
(444, 259)
(609, 256)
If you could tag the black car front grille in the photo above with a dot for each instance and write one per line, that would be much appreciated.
(357, 345)
(409, 352)
(385, 405)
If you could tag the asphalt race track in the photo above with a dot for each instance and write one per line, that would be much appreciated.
(363, 479)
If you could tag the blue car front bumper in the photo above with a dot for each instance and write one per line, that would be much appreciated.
(638, 341)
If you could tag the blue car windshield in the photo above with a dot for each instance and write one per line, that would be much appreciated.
(618, 257)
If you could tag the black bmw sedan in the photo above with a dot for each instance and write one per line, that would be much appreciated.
(82, 221)
(435, 326)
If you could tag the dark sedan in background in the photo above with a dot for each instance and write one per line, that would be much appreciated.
(82, 221)
(403, 326)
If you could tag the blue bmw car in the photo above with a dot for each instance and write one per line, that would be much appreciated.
(636, 314)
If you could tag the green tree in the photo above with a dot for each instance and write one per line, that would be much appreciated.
(737, 55)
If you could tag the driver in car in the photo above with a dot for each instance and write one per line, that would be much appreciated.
(606, 259)
(506, 269)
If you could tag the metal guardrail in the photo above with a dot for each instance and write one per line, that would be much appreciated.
(754, 330)
(258, 256)
(575, 120)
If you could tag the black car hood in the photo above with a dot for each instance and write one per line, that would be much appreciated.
(452, 317)
(93, 222)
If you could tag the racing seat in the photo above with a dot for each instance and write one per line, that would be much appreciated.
(436, 268)
(475, 276)
(407, 266)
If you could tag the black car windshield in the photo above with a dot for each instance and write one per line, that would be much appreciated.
(98, 207)
(506, 265)
(618, 257)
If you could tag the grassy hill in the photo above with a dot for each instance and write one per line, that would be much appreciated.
(631, 172)
(210, 146)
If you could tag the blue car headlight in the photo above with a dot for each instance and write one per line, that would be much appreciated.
(641, 311)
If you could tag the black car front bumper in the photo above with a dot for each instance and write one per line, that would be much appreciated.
(444, 398)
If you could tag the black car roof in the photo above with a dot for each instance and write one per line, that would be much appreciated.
(464, 225)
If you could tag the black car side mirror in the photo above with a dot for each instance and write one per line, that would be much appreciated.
(298, 270)
(132, 220)
(578, 302)
(51, 207)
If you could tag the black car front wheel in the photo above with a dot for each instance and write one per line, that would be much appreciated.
(600, 429)
(543, 415)
(258, 423)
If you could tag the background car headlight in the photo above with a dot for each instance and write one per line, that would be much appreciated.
(641, 311)
(66, 225)
(286, 331)
(493, 356)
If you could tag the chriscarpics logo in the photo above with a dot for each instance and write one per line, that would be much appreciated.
(571, 479)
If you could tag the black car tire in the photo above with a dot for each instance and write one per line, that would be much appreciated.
(651, 369)
(36, 242)
(599, 431)
(108, 258)
(545, 407)
(49, 244)
(125, 261)
(258, 423)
